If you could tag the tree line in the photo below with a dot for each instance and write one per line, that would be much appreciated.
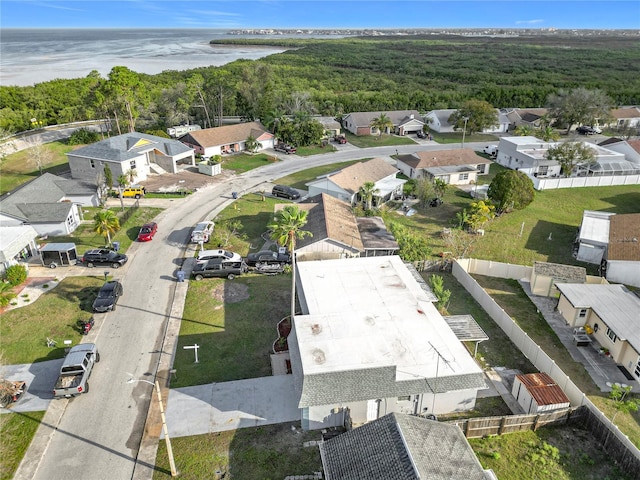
(337, 76)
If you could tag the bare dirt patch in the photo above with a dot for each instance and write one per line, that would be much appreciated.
(230, 292)
(186, 179)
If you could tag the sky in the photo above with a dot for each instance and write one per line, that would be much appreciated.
(382, 14)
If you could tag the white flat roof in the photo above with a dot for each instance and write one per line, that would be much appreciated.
(595, 226)
(370, 312)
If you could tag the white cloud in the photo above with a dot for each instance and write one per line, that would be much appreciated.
(529, 22)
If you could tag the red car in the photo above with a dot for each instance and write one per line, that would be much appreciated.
(147, 232)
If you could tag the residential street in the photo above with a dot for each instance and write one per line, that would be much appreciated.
(98, 435)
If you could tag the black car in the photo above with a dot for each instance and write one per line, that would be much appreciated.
(284, 148)
(103, 256)
(285, 191)
(586, 130)
(268, 257)
(108, 297)
(421, 134)
(218, 268)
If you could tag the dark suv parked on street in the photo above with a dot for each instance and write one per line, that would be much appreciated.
(218, 268)
(108, 297)
(285, 192)
(103, 256)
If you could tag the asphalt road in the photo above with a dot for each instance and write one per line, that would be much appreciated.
(99, 434)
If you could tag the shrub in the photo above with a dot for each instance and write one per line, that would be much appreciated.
(16, 274)
(83, 136)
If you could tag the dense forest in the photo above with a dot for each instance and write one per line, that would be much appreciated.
(336, 76)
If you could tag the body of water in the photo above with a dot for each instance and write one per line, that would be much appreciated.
(30, 56)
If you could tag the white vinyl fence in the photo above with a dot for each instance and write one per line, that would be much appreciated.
(577, 182)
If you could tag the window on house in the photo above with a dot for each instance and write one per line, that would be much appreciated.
(481, 168)
(637, 370)
(92, 163)
(611, 334)
(404, 398)
(582, 313)
(132, 164)
(463, 176)
(543, 170)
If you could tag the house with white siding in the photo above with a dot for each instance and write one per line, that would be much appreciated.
(460, 166)
(370, 340)
(227, 139)
(404, 122)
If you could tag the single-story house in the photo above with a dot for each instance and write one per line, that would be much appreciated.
(129, 152)
(531, 117)
(593, 236)
(612, 312)
(50, 204)
(344, 184)
(331, 126)
(17, 243)
(337, 233)
(402, 447)
(529, 155)
(438, 121)
(227, 139)
(370, 340)
(404, 122)
(545, 275)
(460, 166)
(623, 251)
(539, 393)
(180, 130)
(629, 148)
(625, 117)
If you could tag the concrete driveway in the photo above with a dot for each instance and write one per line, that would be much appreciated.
(39, 384)
(218, 407)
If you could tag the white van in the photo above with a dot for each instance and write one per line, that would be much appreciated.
(202, 232)
(491, 150)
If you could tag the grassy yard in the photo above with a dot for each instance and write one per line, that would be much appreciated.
(510, 296)
(315, 150)
(384, 140)
(243, 162)
(551, 453)
(26, 329)
(16, 432)
(298, 179)
(234, 322)
(85, 238)
(456, 137)
(267, 452)
(18, 168)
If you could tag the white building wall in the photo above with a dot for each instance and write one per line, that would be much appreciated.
(625, 272)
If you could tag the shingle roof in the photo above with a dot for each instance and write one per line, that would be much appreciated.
(624, 237)
(330, 218)
(129, 146)
(351, 178)
(630, 112)
(397, 117)
(561, 273)
(440, 158)
(401, 447)
(47, 189)
(212, 137)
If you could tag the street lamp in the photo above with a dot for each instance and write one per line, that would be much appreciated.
(466, 119)
(172, 463)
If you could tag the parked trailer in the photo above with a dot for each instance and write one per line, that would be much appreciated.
(56, 254)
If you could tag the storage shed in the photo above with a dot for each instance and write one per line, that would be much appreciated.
(55, 254)
(538, 392)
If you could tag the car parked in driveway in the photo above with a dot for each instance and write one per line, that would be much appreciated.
(103, 256)
(586, 130)
(269, 257)
(107, 297)
(284, 148)
(147, 232)
(285, 191)
(218, 268)
(206, 255)
(421, 134)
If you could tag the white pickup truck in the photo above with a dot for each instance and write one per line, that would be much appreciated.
(75, 370)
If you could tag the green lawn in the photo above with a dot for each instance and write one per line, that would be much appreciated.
(551, 453)
(234, 322)
(299, 179)
(267, 452)
(18, 168)
(243, 162)
(85, 238)
(456, 137)
(25, 330)
(384, 140)
(315, 150)
(16, 432)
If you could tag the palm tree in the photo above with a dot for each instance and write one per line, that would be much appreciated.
(251, 144)
(367, 192)
(523, 130)
(440, 187)
(6, 294)
(381, 123)
(548, 134)
(285, 229)
(106, 223)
